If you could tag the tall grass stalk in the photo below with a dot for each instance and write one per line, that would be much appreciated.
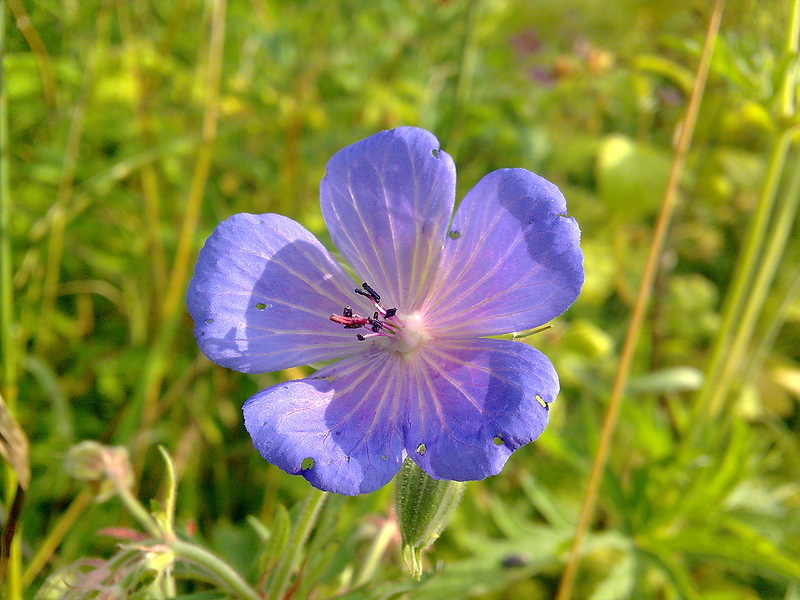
(640, 308)
(8, 347)
(44, 554)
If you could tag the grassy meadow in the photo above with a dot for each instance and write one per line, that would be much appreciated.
(131, 128)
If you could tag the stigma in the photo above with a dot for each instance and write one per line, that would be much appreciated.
(388, 328)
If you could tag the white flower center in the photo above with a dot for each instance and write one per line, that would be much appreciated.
(409, 336)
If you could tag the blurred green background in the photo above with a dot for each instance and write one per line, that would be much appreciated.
(131, 136)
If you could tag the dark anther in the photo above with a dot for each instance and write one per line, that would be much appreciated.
(373, 294)
(375, 323)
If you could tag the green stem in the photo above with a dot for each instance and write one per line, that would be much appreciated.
(789, 89)
(740, 300)
(754, 303)
(712, 395)
(306, 519)
(777, 321)
(221, 570)
(138, 510)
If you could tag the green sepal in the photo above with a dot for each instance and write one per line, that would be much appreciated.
(423, 506)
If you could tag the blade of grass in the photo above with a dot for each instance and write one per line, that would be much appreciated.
(55, 247)
(8, 347)
(77, 510)
(642, 300)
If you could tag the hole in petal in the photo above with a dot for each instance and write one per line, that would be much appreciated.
(454, 235)
(209, 321)
(308, 463)
(421, 449)
(435, 152)
(541, 401)
(384, 457)
(498, 441)
(261, 306)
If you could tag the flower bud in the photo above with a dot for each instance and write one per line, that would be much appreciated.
(108, 466)
(423, 506)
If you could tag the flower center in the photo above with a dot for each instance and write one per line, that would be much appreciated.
(393, 331)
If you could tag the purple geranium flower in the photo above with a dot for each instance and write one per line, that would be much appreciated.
(416, 375)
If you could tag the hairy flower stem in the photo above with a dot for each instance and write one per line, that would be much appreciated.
(137, 510)
(640, 308)
(209, 562)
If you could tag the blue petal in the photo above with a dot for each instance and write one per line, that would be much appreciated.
(473, 403)
(512, 259)
(338, 428)
(261, 295)
(387, 201)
